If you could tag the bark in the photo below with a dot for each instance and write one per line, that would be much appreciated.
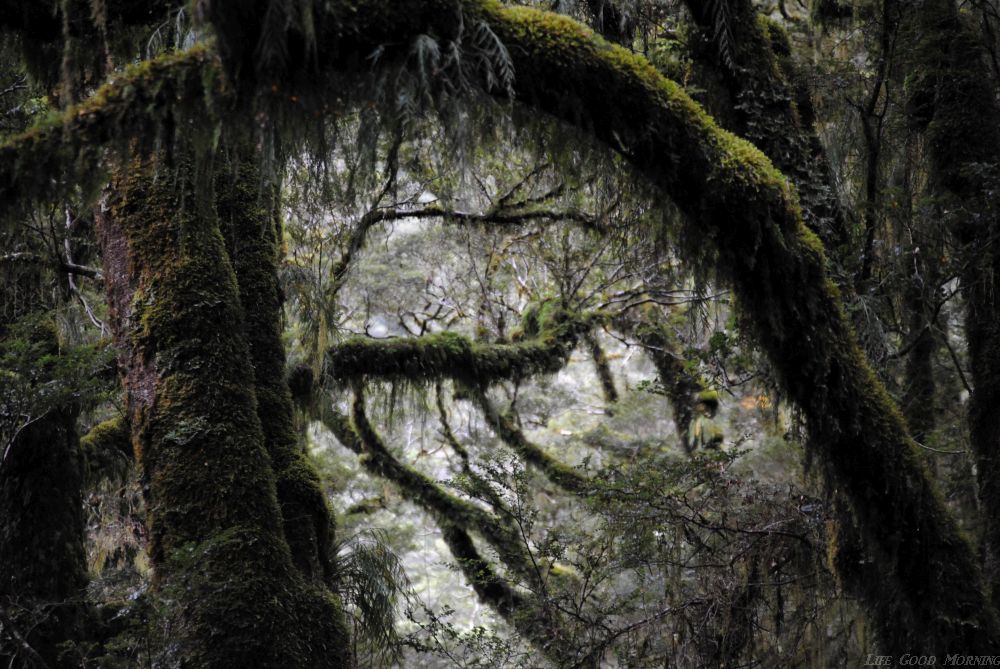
(932, 597)
(249, 220)
(216, 539)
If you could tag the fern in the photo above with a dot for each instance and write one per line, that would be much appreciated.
(496, 65)
(722, 32)
(373, 582)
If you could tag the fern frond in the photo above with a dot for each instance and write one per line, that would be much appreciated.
(722, 32)
(373, 583)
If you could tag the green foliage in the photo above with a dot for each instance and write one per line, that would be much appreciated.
(39, 376)
(373, 585)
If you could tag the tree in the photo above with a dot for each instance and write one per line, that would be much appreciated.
(239, 529)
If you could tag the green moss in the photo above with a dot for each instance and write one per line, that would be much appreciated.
(216, 539)
(564, 476)
(710, 397)
(679, 382)
(451, 355)
(458, 519)
(249, 221)
(107, 448)
(65, 150)
(603, 370)
(421, 490)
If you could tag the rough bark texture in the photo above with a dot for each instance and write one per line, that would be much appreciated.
(216, 537)
(250, 224)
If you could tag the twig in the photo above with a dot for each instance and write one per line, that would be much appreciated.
(11, 630)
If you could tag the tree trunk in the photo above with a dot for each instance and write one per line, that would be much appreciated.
(951, 99)
(250, 222)
(216, 539)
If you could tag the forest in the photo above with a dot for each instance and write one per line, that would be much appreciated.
(499, 333)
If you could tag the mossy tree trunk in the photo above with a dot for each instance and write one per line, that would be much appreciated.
(216, 531)
(951, 99)
(248, 214)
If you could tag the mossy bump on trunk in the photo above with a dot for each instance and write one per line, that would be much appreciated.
(216, 538)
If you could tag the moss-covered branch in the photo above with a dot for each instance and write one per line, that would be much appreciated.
(526, 612)
(501, 216)
(602, 368)
(559, 473)
(140, 105)
(933, 598)
(769, 103)
(361, 438)
(448, 355)
(680, 385)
